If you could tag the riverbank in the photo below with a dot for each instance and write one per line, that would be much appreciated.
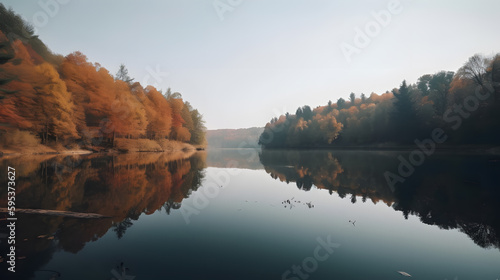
(121, 146)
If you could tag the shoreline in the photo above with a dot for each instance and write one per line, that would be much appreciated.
(169, 147)
(88, 152)
(171, 154)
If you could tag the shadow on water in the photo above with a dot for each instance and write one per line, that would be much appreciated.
(121, 187)
(448, 191)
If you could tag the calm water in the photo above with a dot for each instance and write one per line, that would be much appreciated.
(243, 214)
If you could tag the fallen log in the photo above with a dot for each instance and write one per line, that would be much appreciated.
(68, 214)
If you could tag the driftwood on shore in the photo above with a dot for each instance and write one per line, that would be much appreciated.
(57, 213)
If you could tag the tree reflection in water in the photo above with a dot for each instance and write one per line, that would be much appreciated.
(449, 191)
(122, 187)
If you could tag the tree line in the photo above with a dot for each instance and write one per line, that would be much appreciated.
(57, 99)
(465, 104)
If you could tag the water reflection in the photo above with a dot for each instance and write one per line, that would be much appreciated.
(245, 158)
(449, 191)
(121, 187)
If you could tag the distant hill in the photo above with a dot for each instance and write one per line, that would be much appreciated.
(234, 138)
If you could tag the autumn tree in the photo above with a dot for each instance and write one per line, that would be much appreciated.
(437, 87)
(87, 88)
(160, 119)
(128, 114)
(328, 128)
(93, 90)
(54, 112)
(41, 101)
(69, 98)
(179, 131)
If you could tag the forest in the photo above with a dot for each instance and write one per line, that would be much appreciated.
(63, 102)
(465, 105)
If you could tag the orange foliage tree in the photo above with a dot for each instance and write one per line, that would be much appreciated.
(69, 98)
(40, 101)
(160, 116)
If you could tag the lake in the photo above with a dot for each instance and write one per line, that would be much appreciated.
(251, 214)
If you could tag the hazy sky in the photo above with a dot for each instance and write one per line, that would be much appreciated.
(242, 62)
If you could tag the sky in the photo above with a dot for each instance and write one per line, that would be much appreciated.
(243, 62)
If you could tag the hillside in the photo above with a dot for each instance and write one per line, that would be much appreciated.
(234, 138)
(51, 103)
